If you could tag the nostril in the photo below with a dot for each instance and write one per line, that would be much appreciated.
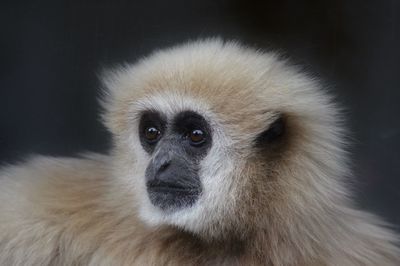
(164, 166)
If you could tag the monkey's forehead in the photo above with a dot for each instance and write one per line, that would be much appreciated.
(230, 80)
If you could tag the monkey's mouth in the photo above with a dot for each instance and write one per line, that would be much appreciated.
(171, 196)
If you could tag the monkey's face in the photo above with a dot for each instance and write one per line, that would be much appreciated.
(213, 138)
(176, 145)
(182, 162)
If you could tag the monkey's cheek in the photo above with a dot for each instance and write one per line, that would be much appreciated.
(168, 199)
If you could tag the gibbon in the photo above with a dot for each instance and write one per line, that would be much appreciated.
(222, 155)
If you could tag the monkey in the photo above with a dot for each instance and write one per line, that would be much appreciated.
(221, 154)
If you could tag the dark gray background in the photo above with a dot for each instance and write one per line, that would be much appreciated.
(50, 52)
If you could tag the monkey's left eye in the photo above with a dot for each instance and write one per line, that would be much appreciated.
(196, 136)
(152, 134)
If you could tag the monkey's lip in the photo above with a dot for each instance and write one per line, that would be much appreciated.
(168, 187)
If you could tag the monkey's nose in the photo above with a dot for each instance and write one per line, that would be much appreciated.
(161, 162)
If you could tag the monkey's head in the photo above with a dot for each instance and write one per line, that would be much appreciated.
(219, 139)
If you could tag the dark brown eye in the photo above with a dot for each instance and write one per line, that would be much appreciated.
(151, 134)
(196, 136)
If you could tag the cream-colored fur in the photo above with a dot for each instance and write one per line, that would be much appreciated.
(283, 204)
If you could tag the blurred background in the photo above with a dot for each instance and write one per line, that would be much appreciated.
(51, 52)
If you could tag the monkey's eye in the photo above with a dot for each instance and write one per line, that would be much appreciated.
(196, 137)
(152, 134)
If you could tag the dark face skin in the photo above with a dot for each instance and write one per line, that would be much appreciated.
(177, 148)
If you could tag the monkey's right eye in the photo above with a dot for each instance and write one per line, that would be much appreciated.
(152, 134)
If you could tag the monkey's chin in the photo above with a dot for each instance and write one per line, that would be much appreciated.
(164, 208)
(197, 219)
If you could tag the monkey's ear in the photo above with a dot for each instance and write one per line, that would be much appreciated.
(274, 132)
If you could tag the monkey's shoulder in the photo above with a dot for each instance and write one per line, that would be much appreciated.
(46, 184)
(50, 207)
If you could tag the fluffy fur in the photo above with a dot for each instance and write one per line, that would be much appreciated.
(281, 204)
